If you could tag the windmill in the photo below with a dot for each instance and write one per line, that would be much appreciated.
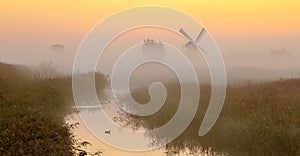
(193, 45)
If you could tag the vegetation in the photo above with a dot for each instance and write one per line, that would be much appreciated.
(257, 119)
(32, 111)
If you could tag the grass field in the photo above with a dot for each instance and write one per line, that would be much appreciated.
(257, 118)
(32, 111)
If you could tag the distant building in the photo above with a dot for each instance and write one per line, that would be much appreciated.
(151, 45)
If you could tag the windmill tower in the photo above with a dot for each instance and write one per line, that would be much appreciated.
(192, 46)
(191, 49)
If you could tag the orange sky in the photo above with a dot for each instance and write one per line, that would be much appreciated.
(222, 18)
(235, 24)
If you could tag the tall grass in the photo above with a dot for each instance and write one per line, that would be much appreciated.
(32, 111)
(257, 119)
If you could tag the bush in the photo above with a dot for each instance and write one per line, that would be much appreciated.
(32, 111)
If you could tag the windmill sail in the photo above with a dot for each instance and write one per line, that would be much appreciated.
(195, 43)
(185, 34)
(200, 35)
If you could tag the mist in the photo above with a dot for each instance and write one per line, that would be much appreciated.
(257, 60)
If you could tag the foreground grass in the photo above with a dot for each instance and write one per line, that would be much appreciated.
(257, 119)
(32, 112)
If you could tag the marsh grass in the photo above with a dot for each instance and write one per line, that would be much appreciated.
(32, 111)
(257, 119)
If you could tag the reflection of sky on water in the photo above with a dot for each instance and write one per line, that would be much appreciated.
(111, 109)
(84, 134)
(91, 113)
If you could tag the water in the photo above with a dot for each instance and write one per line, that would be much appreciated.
(83, 134)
